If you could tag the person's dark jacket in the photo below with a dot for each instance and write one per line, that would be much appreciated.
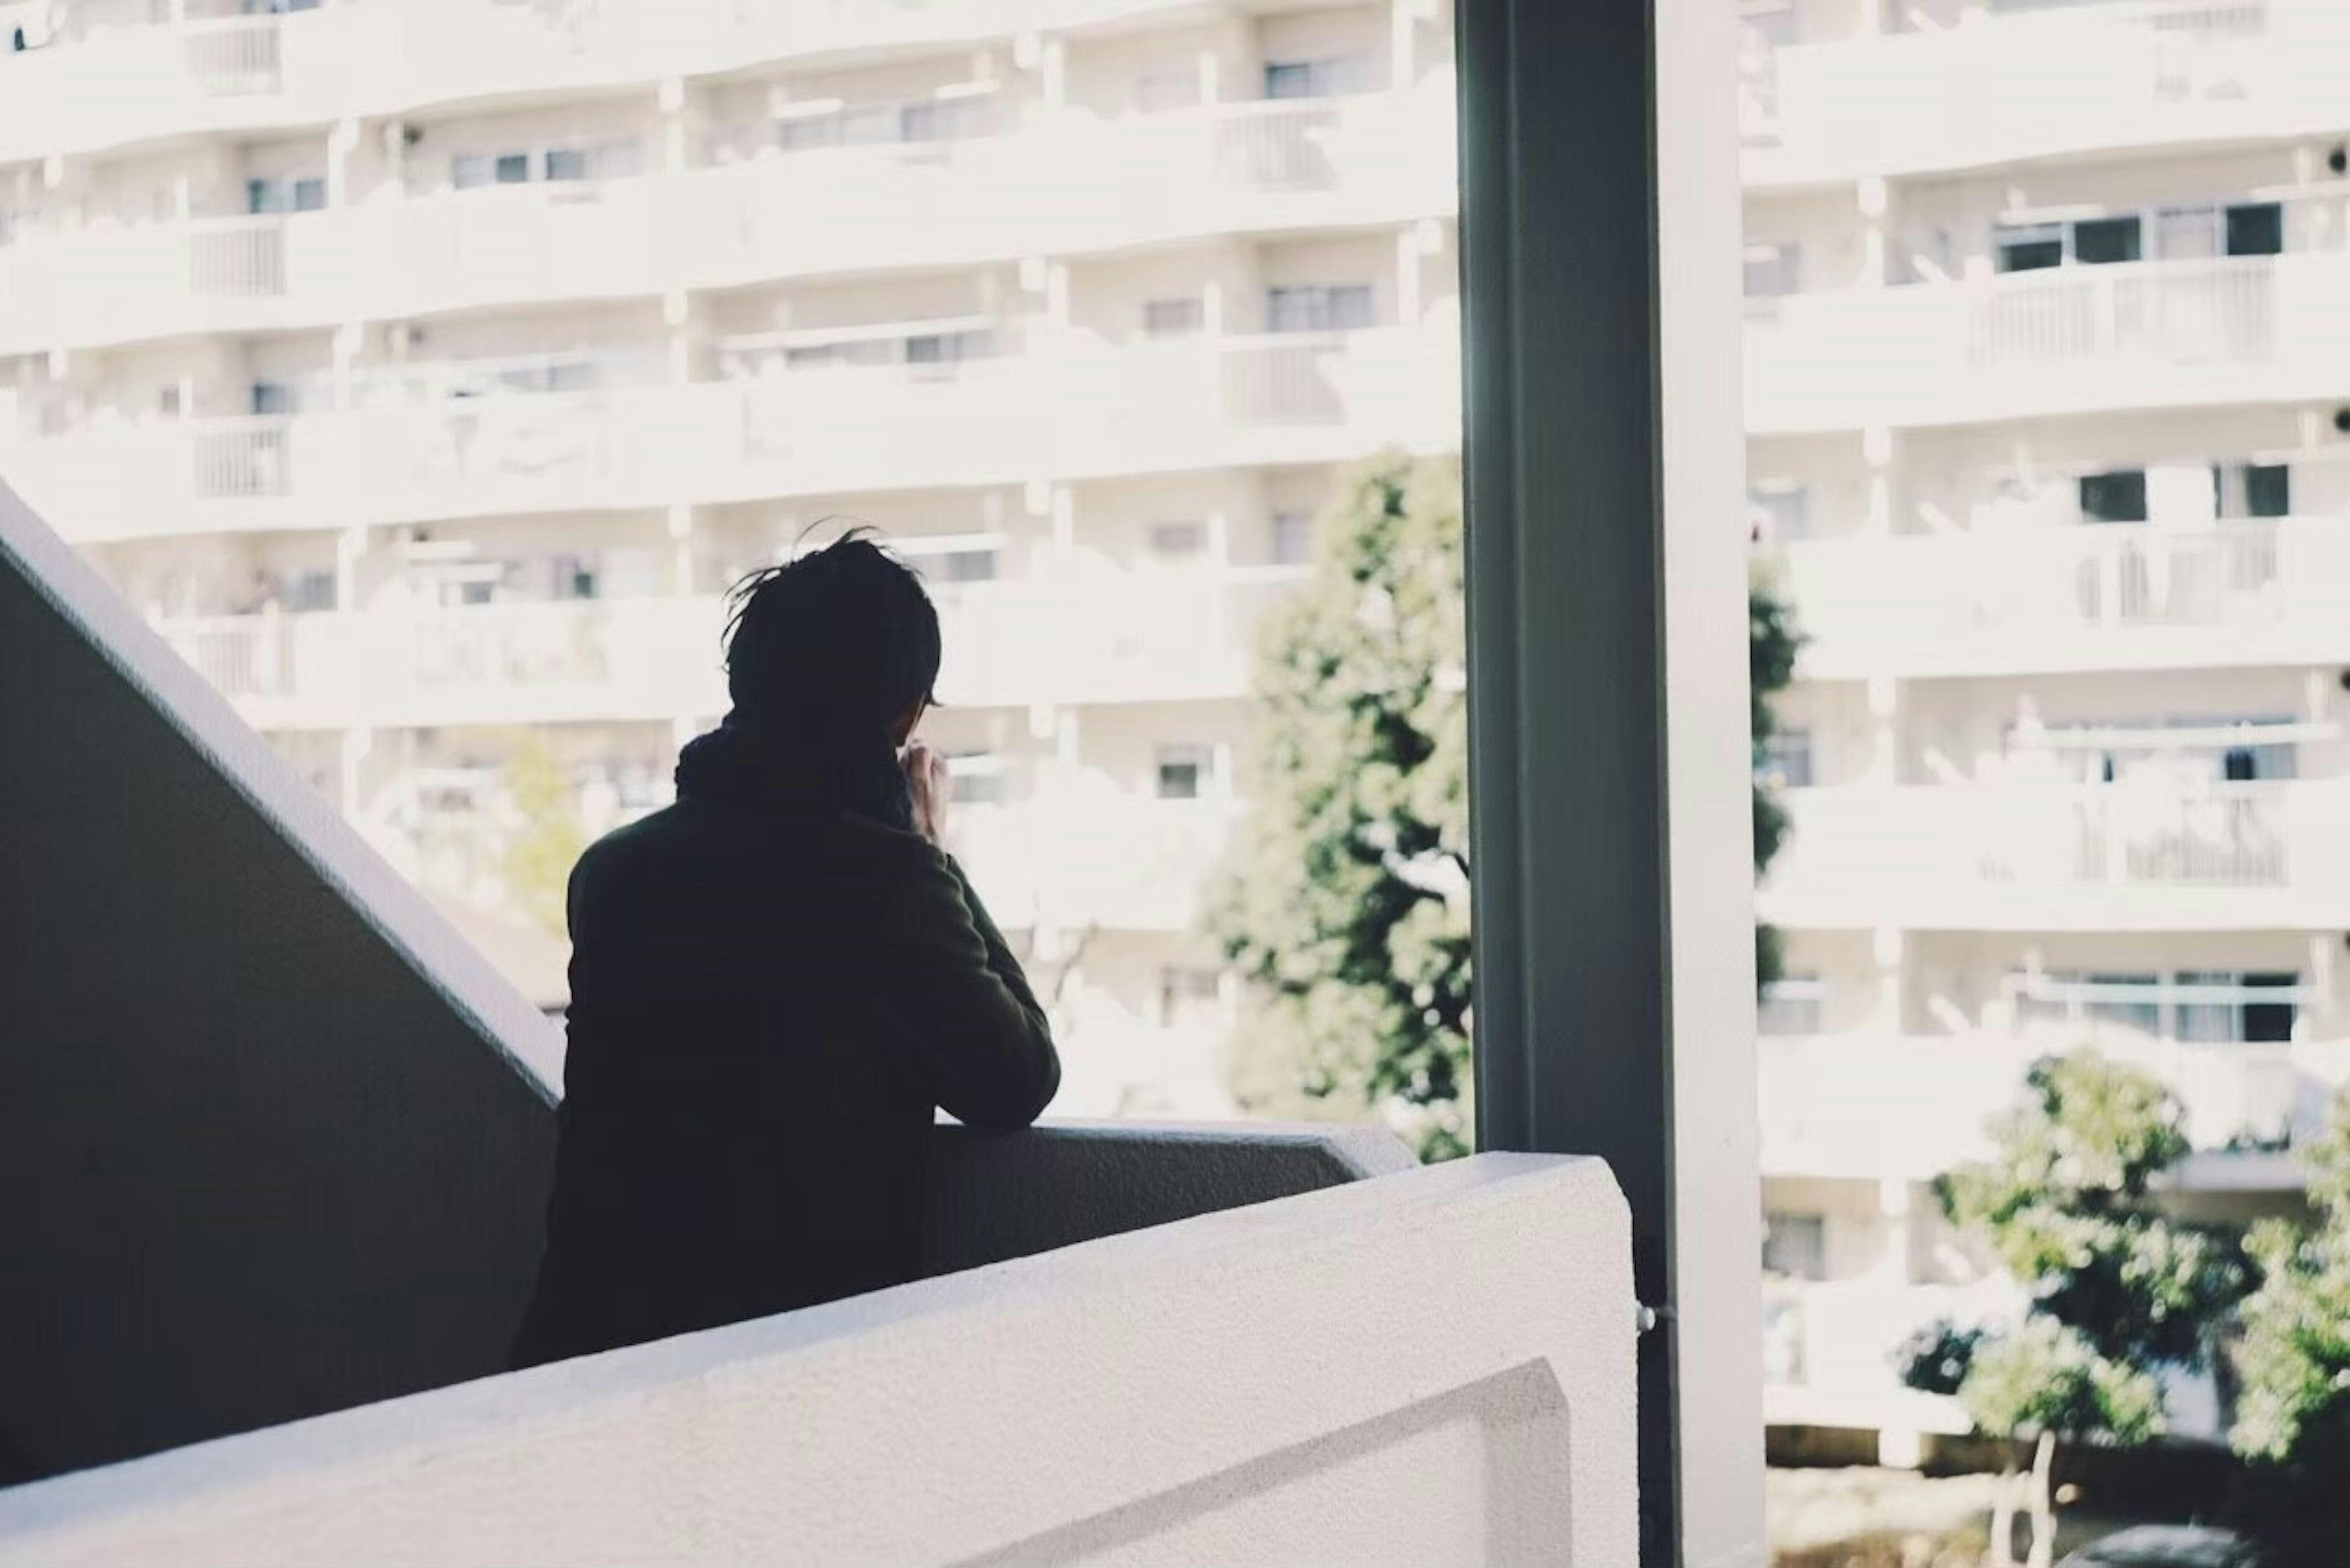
(773, 985)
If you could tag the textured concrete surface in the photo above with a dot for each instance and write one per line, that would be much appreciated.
(265, 1149)
(1431, 1368)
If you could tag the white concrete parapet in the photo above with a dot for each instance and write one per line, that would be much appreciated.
(1430, 1367)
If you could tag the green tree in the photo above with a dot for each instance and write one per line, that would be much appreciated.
(1346, 902)
(2292, 1363)
(545, 842)
(2119, 1292)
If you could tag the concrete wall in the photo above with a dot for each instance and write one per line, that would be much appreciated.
(267, 1150)
(1432, 1368)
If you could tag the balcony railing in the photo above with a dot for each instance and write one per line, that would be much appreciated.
(1995, 600)
(1104, 636)
(110, 82)
(1368, 158)
(1080, 859)
(1077, 413)
(2065, 339)
(2127, 856)
(1867, 1105)
(2134, 72)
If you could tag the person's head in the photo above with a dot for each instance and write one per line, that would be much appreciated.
(842, 642)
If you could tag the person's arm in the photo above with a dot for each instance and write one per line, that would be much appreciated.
(980, 1038)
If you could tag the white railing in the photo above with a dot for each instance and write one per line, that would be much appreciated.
(1080, 859)
(1868, 1105)
(2063, 339)
(1368, 1374)
(234, 56)
(2171, 312)
(1378, 157)
(2137, 72)
(110, 84)
(2057, 596)
(2125, 856)
(1078, 412)
(1110, 637)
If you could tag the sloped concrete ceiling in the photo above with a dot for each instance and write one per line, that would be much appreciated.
(272, 1142)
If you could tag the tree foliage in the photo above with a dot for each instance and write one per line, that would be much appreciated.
(545, 841)
(1346, 902)
(2293, 1361)
(2119, 1290)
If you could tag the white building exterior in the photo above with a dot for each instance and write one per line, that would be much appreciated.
(427, 369)
(2050, 443)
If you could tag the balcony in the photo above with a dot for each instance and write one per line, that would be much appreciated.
(1079, 859)
(1087, 411)
(1139, 637)
(2064, 340)
(111, 82)
(1061, 188)
(2135, 596)
(2127, 856)
(2136, 73)
(1908, 1107)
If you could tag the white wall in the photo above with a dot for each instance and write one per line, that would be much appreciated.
(1373, 1373)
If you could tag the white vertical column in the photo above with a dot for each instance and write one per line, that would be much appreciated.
(1409, 288)
(1880, 449)
(1402, 53)
(1874, 201)
(1898, 1447)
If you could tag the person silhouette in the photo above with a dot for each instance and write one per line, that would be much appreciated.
(777, 982)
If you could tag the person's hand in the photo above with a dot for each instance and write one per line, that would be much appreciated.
(926, 781)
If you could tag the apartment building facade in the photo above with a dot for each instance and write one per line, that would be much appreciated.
(2050, 446)
(427, 372)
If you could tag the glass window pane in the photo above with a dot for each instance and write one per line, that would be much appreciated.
(2256, 229)
(2117, 497)
(2098, 241)
(513, 167)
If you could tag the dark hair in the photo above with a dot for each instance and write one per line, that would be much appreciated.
(843, 638)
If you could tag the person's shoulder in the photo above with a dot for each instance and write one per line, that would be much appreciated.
(650, 839)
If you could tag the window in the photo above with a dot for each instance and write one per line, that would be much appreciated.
(2254, 489)
(1773, 271)
(1318, 308)
(946, 347)
(971, 565)
(1184, 772)
(2190, 1006)
(1293, 539)
(1795, 1246)
(2031, 249)
(2116, 497)
(1777, 513)
(2087, 242)
(468, 170)
(309, 591)
(1312, 78)
(305, 193)
(2098, 242)
(272, 398)
(974, 778)
(1172, 542)
(1794, 1006)
(1786, 759)
(567, 163)
(512, 168)
(1182, 317)
(1190, 995)
(2256, 229)
(167, 401)
(575, 577)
